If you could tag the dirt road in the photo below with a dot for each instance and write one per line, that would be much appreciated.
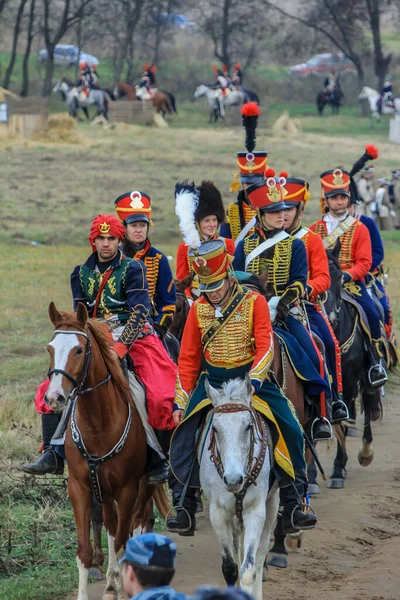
(355, 551)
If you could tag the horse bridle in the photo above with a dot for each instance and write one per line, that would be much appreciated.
(253, 470)
(78, 385)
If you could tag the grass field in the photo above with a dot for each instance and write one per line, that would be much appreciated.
(48, 197)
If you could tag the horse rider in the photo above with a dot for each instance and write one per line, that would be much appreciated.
(89, 78)
(386, 97)
(366, 190)
(237, 77)
(114, 288)
(228, 334)
(147, 84)
(284, 258)
(330, 83)
(134, 210)
(222, 82)
(382, 209)
(355, 259)
(394, 196)
(318, 282)
(240, 216)
(205, 215)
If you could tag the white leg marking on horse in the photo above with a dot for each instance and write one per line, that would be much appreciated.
(113, 567)
(138, 531)
(83, 580)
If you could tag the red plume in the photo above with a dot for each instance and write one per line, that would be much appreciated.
(146, 67)
(284, 174)
(269, 173)
(224, 68)
(372, 151)
(215, 68)
(153, 69)
(250, 109)
(237, 66)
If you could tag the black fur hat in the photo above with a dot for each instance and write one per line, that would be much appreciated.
(210, 202)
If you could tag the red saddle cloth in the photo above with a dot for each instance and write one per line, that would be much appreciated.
(41, 406)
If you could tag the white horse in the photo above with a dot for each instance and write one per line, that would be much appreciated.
(234, 475)
(373, 96)
(217, 103)
(76, 99)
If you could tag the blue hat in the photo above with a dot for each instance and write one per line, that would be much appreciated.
(150, 550)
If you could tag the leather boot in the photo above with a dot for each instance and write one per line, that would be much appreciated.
(180, 522)
(294, 518)
(157, 467)
(50, 462)
(377, 375)
(321, 430)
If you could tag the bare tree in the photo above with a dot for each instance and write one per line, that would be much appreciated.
(339, 21)
(58, 18)
(235, 29)
(374, 10)
(16, 32)
(29, 38)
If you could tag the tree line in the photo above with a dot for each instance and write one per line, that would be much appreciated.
(248, 31)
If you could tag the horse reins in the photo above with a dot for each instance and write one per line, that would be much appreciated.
(94, 462)
(253, 470)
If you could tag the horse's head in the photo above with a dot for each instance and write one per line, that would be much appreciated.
(200, 91)
(69, 355)
(363, 95)
(57, 87)
(334, 299)
(232, 426)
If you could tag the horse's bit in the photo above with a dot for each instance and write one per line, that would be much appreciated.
(253, 470)
(94, 462)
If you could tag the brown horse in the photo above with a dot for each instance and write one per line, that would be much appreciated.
(163, 101)
(105, 444)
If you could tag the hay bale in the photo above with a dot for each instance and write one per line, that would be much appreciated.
(284, 126)
(61, 128)
(159, 121)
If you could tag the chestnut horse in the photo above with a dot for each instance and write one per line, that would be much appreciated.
(105, 433)
(163, 101)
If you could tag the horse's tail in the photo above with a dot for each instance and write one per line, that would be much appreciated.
(320, 102)
(110, 93)
(251, 96)
(171, 103)
(161, 500)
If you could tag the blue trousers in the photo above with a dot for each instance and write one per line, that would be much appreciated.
(364, 299)
(384, 300)
(322, 329)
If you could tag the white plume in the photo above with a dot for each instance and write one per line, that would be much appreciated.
(186, 202)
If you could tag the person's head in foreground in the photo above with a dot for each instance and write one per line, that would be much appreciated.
(148, 563)
(216, 593)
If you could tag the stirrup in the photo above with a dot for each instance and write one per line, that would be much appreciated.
(306, 508)
(343, 405)
(320, 419)
(177, 509)
(379, 369)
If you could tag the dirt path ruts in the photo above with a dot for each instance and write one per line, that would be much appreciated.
(355, 551)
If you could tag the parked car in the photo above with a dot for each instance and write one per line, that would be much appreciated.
(66, 55)
(174, 21)
(322, 64)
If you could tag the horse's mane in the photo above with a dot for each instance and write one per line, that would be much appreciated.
(101, 334)
(233, 389)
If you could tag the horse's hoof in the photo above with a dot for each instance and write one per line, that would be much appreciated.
(313, 489)
(110, 596)
(336, 483)
(95, 573)
(293, 541)
(365, 461)
(277, 560)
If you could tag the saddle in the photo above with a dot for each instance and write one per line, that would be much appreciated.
(346, 297)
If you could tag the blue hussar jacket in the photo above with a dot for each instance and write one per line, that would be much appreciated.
(378, 251)
(160, 279)
(124, 299)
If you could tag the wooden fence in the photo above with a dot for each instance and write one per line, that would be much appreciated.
(130, 111)
(27, 116)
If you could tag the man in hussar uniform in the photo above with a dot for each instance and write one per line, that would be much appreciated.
(114, 288)
(237, 77)
(134, 210)
(147, 84)
(240, 216)
(355, 259)
(318, 282)
(284, 258)
(228, 334)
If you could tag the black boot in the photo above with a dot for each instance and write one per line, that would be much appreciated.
(321, 430)
(50, 462)
(294, 518)
(182, 521)
(157, 467)
(339, 409)
(377, 376)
